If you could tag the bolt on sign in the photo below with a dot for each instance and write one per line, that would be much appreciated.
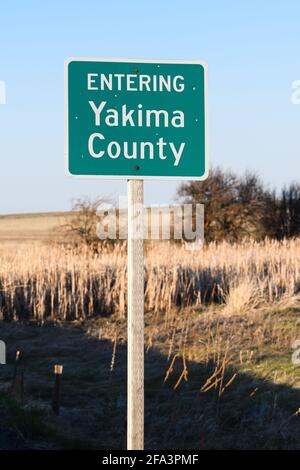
(136, 119)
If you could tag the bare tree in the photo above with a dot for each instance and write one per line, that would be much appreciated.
(289, 211)
(82, 225)
(235, 207)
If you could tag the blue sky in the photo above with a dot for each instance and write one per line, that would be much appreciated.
(253, 53)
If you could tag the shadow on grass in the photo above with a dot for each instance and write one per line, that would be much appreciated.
(251, 413)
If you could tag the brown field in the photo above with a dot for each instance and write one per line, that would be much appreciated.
(220, 324)
(39, 227)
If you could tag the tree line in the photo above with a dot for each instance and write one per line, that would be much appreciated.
(239, 207)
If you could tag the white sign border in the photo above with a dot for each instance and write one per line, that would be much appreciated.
(135, 177)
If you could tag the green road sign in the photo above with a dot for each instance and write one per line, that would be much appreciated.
(136, 118)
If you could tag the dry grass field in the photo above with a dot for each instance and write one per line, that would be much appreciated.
(64, 283)
(220, 324)
(38, 227)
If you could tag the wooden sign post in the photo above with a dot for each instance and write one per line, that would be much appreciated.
(135, 362)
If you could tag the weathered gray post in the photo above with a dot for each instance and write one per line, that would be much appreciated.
(135, 363)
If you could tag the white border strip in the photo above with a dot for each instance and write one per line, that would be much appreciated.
(137, 177)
